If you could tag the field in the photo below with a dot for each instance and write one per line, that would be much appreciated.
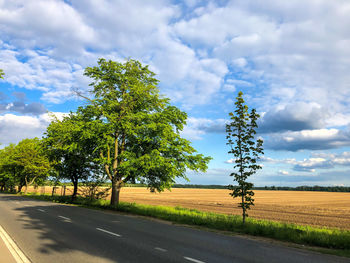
(301, 207)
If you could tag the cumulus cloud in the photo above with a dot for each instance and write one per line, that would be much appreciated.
(197, 127)
(318, 139)
(316, 161)
(43, 23)
(34, 108)
(294, 53)
(293, 117)
(290, 49)
(14, 128)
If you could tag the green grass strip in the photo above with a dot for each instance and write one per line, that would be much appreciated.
(321, 237)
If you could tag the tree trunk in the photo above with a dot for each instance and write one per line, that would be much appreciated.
(116, 186)
(75, 189)
(243, 207)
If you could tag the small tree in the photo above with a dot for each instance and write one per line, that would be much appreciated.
(31, 162)
(245, 149)
(70, 148)
(7, 170)
(1, 74)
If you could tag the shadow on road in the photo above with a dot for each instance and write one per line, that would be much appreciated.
(55, 236)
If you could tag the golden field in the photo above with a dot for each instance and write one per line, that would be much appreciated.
(328, 209)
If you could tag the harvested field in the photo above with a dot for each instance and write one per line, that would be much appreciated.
(301, 207)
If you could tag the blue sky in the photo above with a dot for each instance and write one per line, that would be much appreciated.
(291, 59)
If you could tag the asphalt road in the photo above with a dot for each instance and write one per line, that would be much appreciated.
(48, 232)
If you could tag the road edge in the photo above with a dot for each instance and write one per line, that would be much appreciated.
(15, 251)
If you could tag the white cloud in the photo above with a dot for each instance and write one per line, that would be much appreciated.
(43, 23)
(295, 116)
(318, 139)
(296, 51)
(14, 128)
(197, 127)
(316, 161)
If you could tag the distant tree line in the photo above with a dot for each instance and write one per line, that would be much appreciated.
(280, 188)
(307, 188)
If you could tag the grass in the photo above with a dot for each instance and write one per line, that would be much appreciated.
(306, 235)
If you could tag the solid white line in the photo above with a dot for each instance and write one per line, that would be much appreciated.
(194, 260)
(106, 231)
(41, 210)
(65, 218)
(160, 249)
(13, 248)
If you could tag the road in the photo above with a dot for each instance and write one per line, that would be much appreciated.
(49, 232)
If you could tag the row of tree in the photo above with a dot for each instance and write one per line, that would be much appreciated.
(307, 188)
(126, 132)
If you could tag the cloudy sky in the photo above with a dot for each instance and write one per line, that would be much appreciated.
(291, 59)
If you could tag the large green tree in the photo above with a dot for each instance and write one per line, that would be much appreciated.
(246, 148)
(70, 148)
(136, 129)
(30, 162)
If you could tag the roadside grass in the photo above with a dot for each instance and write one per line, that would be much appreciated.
(305, 235)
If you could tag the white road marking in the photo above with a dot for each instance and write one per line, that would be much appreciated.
(13, 248)
(108, 232)
(115, 221)
(160, 249)
(194, 260)
(41, 210)
(65, 218)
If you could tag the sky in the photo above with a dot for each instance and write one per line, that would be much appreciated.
(291, 59)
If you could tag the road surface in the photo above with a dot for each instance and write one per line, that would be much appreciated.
(49, 232)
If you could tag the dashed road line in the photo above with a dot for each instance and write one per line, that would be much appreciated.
(41, 210)
(108, 232)
(193, 260)
(13, 248)
(65, 219)
(160, 249)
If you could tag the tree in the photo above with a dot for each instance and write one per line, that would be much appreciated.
(136, 129)
(30, 162)
(7, 169)
(245, 149)
(70, 149)
(1, 74)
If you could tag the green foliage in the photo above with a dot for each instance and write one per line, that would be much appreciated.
(1, 74)
(71, 149)
(7, 169)
(25, 163)
(245, 149)
(136, 130)
(322, 237)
